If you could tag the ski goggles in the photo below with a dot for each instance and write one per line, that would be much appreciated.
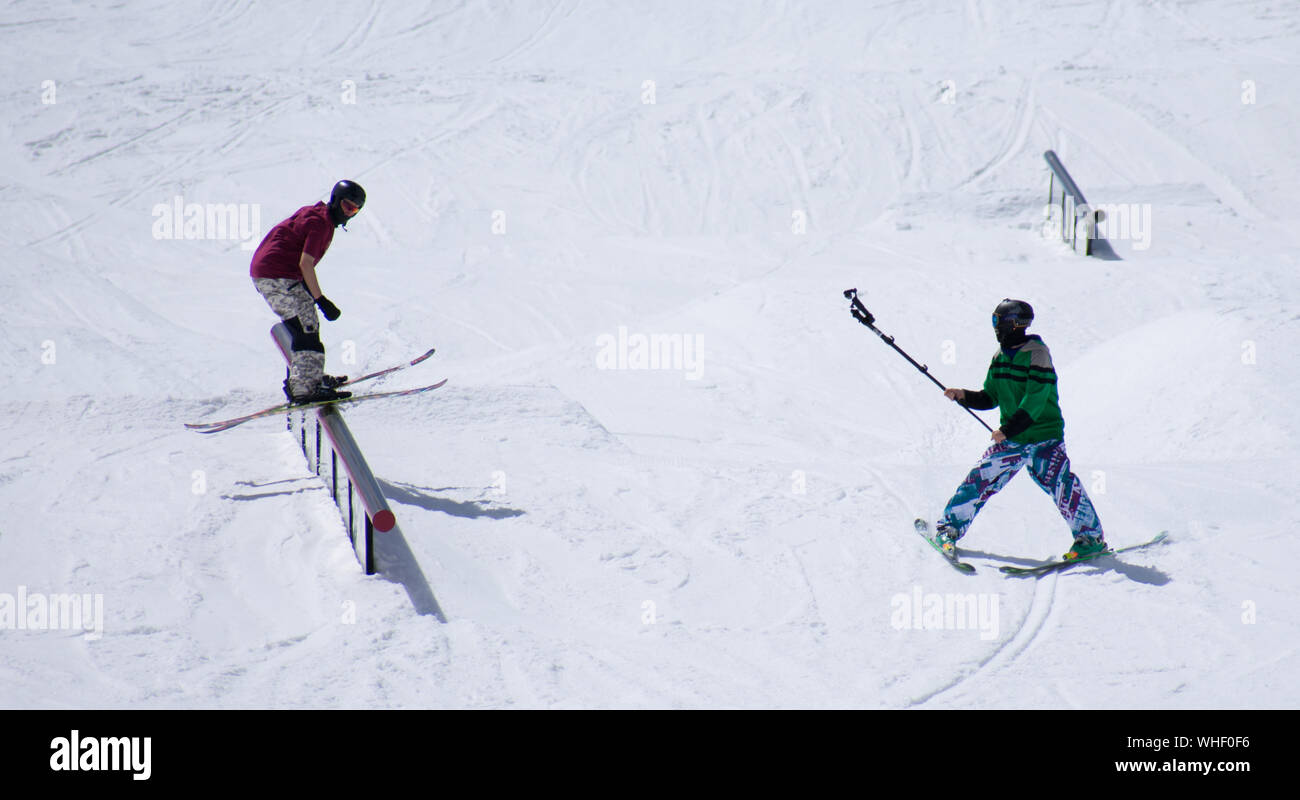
(350, 208)
(1012, 320)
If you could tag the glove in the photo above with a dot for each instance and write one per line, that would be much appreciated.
(327, 308)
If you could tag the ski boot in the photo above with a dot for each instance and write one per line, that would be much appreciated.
(321, 394)
(1086, 548)
(945, 536)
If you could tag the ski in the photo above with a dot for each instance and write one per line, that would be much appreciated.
(923, 528)
(227, 424)
(223, 424)
(390, 370)
(1057, 566)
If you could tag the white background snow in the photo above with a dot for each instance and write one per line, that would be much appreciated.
(541, 174)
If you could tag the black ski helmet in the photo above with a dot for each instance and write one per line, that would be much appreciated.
(1010, 319)
(345, 190)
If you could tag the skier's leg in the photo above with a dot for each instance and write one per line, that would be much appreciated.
(292, 302)
(307, 359)
(1050, 468)
(999, 464)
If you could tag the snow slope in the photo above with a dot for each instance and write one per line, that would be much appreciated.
(545, 178)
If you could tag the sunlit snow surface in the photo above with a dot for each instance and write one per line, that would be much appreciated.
(549, 181)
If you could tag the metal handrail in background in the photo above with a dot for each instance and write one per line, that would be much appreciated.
(1082, 211)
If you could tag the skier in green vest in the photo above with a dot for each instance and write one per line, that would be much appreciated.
(1021, 383)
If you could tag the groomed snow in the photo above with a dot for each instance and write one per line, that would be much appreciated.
(735, 530)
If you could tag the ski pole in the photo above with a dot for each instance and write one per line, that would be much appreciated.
(861, 314)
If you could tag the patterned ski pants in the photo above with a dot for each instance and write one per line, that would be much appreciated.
(290, 299)
(1049, 466)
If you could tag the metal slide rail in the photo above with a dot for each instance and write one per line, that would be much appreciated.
(1073, 207)
(334, 456)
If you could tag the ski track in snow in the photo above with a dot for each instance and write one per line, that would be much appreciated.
(1025, 634)
(1022, 121)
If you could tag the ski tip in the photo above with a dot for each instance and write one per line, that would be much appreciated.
(214, 429)
(203, 427)
(421, 358)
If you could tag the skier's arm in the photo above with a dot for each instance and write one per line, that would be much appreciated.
(1019, 423)
(307, 265)
(971, 398)
(980, 401)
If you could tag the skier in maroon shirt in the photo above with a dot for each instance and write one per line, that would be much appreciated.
(284, 272)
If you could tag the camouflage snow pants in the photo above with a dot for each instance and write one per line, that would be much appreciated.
(290, 299)
(1049, 466)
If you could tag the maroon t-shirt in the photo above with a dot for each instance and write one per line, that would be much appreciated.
(309, 231)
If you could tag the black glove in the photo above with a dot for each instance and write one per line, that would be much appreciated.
(327, 308)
